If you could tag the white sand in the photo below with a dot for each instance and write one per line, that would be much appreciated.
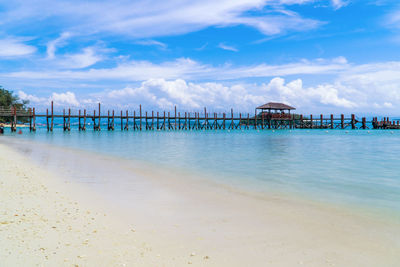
(46, 222)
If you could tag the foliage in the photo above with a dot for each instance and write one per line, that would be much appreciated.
(8, 100)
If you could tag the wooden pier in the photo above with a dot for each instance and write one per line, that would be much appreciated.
(150, 121)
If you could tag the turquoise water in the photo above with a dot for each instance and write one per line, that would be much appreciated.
(354, 167)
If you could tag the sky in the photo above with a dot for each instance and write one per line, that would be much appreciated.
(321, 56)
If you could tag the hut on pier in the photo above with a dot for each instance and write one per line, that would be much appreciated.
(274, 110)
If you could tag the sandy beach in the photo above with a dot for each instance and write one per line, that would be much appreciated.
(49, 220)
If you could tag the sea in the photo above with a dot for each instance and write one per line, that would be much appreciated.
(352, 168)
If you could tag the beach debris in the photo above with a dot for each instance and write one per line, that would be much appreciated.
(192, 254)
(133, 230)
(206, 257)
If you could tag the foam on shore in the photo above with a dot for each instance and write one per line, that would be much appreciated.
(46, 220)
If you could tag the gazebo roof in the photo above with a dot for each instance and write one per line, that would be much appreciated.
(276, 106)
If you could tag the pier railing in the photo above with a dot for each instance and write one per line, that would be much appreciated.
(188, 120)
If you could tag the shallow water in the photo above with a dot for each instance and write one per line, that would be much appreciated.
(355, 167)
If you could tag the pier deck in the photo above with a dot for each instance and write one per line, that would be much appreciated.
(189, 120)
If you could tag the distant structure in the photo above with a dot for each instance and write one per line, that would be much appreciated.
(274, 110)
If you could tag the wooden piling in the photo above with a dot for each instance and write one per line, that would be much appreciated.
(94, 120)
(332, 121)
(342, 121)
(152, 120)
(364, 124)
(140, 119)
(69, 120)
(99, 123)
(52, 116)
(127, 120)
(186, 126)
(164, 121)
(301, 121)
(30, 120)
(79, 120)
(158, 121)
(311, 121)
(353, 121)
(232, 122)
(122, 122)
(175, 119)
(34, 120)
(84, 120)
(322, 121)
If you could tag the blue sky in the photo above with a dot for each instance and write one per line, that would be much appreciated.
(320, 56)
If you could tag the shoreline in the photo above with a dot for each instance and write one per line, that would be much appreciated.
(222, 226)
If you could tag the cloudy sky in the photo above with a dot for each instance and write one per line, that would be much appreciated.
(328, 56)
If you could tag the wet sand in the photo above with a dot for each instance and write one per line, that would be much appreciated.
(50, 219)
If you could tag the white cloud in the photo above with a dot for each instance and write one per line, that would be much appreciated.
(227, 47)
(88, 57)
(52, 45)
(146, 19)
(187, 69)
(67, 98)
(15, 48)
(339, 3)
(152, 43)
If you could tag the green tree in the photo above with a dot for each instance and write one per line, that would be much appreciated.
(8, 100)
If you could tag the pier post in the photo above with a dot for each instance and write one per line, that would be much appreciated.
(322, 121)
(30, 120)
(108, 120)
(15, 119)
(145, 120)
(311, 121)
(94, 120)
(112, 123)
(255, 119)
(342, 121)
(262, 121)
(84, 120)
(353, 121)
(64, 122)
(99, 127)
(52, 116)
(232, 123)
(301, 121)
(240, 120)
(248, 120)
(175, 119)
(205, 118)
(331, 121)
(79, 120)
(69, 120)
(134, 121)
(127, 121)
(364, 126)
(186, 121)
(179, 120)
(140, 119)
(164, 121)
(34, 120)
(122, 124)
(152, 120)
(158, 121)
(169, 120)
